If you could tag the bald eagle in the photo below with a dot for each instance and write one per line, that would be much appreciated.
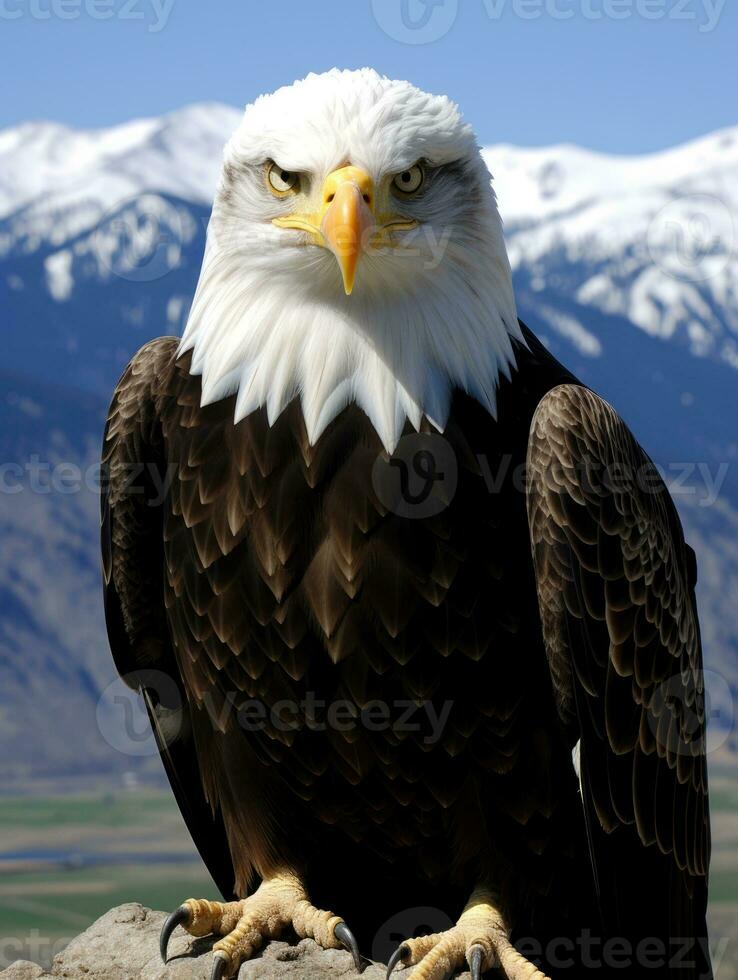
(411, 610)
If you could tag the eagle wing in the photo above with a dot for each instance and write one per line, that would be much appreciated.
(615, 584)
(133, 570)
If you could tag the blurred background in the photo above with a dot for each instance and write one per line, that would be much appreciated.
(610, 128)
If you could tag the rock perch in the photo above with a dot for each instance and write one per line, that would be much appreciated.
(124, 945)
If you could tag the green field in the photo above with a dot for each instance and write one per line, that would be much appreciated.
(49, 893)
(142, 853)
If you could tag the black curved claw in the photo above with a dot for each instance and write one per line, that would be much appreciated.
(179, 917)
(220, 964)
(401, 953)
(346, 938)
(475, 962)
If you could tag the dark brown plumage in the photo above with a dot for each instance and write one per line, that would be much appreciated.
(269, 570)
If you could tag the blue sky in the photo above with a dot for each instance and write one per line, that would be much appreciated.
(615, 75)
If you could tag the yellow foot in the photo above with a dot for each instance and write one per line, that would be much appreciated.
(278, 904)
(480, 940)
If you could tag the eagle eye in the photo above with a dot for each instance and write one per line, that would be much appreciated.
(409, 181)
(282, 182)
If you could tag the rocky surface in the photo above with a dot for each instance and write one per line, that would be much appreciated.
(124, 945)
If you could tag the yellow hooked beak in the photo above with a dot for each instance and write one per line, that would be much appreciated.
(348, 218)
(345, 220)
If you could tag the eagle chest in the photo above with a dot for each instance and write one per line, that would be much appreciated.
(395, 592)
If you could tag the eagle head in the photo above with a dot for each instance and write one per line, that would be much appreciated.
(354, 253)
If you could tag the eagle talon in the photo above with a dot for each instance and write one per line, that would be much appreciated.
(179, 917)
(245, 925)
(479, 939)
(220, 964)
(400, 954)
(475, 959)
(347, 939)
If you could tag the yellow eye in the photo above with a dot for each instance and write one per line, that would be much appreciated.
(282, 182)
(409, 181)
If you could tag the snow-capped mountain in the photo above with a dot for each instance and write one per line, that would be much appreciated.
(652, 238)
(625, 266)
(178, 154)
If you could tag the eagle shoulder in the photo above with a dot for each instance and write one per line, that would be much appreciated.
(135, 397)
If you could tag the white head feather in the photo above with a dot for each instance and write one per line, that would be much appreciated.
(270, 319)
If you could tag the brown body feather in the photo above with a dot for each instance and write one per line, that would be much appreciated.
(272, 576)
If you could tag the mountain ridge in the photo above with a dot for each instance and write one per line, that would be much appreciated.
(650, 236)
(101, 238)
